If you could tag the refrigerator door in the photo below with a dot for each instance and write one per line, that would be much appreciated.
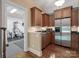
(57, 32)
(1, 44)
(66, 32)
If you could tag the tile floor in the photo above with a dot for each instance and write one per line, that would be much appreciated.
(14, 48)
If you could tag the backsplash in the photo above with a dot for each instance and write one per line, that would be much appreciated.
(74, 28)
(34, 28)
(38, 28)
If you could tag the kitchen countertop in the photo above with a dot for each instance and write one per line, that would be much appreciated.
(75, 32)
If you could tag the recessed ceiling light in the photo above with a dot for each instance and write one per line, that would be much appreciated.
(59, 2)
(13, 10)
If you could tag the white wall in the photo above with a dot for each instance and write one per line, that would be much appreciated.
(0, 27)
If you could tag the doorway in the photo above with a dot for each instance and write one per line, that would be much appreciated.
(15, 29)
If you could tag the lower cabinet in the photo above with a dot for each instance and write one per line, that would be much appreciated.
(46, 39)
(75, 41)
(53, 37)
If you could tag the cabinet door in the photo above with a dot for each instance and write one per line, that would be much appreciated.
(43, 20)
(38, 18)
(58, 14)
(75, 41)
(53, 37)
(52, 20)
(47, 21)
(50, 37)
(78, 17)
(44, 40)
(67, 12)
(74, 17)
(32, 17)
(39, 21)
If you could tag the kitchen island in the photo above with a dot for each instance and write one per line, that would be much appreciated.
(38, 41)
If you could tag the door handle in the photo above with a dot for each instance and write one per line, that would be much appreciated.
(7, 45)
(4, 42)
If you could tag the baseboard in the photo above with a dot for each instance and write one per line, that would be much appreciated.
(1, 56)
(38, 53)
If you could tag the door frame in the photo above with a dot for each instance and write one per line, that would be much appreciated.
(4, 19)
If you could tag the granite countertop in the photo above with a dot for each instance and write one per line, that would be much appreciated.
(75, 32)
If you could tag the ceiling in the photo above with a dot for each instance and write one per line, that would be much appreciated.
(18, 14)
(49, 5)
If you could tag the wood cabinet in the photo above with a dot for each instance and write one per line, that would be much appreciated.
(32, 17)
(75, 17)
(49, 37)
(52, 20)
(75, 36)
(44, 42)
(78, 17)
(62, 13)
(53, 37)
(45, 20)
(67, 12)
(36, 17)
(58, 13)
(46, 39)
(75, 41)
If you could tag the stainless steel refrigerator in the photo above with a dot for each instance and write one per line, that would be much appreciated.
(63, 32)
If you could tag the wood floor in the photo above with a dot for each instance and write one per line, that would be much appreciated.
(52, 51)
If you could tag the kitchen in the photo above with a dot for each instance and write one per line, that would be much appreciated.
(59, 28)
(51, 29)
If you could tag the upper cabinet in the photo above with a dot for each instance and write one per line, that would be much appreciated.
(75, 17)
(78, 17)
(62, 13)
(36, 17)
(58, 14)
(52, 22)
(45, 20)
(66, 12)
